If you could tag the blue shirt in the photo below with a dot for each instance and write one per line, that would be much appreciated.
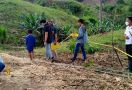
(30, 41)
(82, 35)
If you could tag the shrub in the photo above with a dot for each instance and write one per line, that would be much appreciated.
(69, 5)
(63, 31)
(3, 34)
(88, 47)
(31, 21)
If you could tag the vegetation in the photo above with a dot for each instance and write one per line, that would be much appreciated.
(19, 15)
(3, 34)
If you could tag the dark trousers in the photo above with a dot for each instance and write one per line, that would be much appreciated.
(129, 51)
(79, 45)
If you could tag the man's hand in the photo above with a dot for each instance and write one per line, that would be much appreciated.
(44, 44)
(55, 43)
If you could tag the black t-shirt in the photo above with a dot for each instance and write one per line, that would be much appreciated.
(48, 28)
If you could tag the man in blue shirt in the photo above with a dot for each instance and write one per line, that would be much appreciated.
(30, 44)
(81, 40)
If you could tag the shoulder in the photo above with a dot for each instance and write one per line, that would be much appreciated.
(83, 28)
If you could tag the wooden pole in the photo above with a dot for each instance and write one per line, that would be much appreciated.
(100, 16)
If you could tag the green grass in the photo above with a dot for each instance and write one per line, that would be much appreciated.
(118, 38)
(99, 38)
(11, 10)
(106, 38)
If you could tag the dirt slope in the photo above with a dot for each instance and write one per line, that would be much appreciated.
(43, 75)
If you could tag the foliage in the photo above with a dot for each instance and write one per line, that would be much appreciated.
(120, 2)
(3, 34)
(64, 31)
(73, 6)
(31, 20)
(89, 49)
(108, 25)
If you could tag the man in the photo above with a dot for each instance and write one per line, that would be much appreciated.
(54, 37)
(128, 37)
(81, 40)
(48, 40)
(41, 29)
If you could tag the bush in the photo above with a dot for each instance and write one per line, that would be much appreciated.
(63, 32)
(69, 5)
(31, 21)
(3, 34)
(88, 47)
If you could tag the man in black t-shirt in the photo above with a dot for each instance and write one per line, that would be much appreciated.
(48, 40)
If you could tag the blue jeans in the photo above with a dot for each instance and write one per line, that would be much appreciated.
(2, 66)
(48, 51)
(79, 45)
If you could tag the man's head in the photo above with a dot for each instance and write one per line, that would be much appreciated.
(30, 31)
(81, 22)
(129, 21)
(42, 22)
(50, 22)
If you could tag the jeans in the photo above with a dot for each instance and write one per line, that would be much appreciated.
(2, 66)
(129, 51)
(79, 45)
(48, 51)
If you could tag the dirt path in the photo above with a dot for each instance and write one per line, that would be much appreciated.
(43, 75)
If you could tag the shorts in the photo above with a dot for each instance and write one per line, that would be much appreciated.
(2, 66)
(30, 49)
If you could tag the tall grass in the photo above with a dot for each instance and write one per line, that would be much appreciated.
(3, 34)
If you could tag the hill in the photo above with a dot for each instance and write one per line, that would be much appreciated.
(11, 10)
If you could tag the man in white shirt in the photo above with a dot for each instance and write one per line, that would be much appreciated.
(128, 37)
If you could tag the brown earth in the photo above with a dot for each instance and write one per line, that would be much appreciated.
(44, 75)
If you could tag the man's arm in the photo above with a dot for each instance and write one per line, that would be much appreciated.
(46, 37)
(81, 34)
(126, 32)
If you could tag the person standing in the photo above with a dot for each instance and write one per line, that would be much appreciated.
(128, 42)
(30, 44)
(54, 37)
(48, 40)
(81, 40)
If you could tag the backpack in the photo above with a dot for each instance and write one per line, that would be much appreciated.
(85, 36)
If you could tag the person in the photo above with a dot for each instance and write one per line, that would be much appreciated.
(48, 40)
(54, 37)
(41, 29)
(30, 44)
(81, 40)
(128, 42)
(2, 65)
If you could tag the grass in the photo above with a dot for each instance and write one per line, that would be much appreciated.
(118, 39)
(106, 38)
(11, 10)
(99, 38)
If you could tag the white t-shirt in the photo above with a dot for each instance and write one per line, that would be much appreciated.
(128, 32)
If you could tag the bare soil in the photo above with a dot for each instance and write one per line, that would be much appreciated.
(104, 74)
